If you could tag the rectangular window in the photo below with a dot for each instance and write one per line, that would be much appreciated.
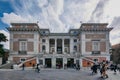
(23, 45)
(96, 45)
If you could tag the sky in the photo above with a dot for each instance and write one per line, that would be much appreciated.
(61, 15)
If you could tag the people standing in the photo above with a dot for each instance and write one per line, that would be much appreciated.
(94, 68)
(23, 66)
(77, 67)
(115, 68)
(103, 71)
(38, 68)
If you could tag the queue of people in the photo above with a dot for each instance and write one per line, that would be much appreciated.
(103, 67)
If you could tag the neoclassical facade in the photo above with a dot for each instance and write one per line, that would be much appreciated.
(29, 44)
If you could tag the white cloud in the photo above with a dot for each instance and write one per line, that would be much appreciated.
(52, 13)
(115, 33)
(6, 44)
(12, 17)
(61, 15)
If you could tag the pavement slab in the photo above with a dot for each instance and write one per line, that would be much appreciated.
(54, 74)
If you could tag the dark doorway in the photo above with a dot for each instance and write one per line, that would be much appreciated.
(59, 63)
(48, 63)
(70, 63)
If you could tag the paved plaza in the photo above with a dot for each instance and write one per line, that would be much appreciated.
(54, 74)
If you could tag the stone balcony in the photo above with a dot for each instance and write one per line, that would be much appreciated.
(22, 52)
(96, 52)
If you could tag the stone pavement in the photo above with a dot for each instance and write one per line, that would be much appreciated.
(54, 74)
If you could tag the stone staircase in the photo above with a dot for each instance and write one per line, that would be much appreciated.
(19, 65)
(7, 66)
(88, 59)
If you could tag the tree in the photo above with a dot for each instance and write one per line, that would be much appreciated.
(1, 50)
(116, 54)
(3, 38)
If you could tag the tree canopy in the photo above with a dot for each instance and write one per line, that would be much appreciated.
(3, 38)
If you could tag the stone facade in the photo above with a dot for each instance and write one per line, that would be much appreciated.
(55, 50)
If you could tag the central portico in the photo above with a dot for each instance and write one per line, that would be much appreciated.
(59, 50)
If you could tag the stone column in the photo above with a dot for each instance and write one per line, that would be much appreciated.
(71, 45)
(43, 62)
(64, 62)
(53, 62)
(47, 45)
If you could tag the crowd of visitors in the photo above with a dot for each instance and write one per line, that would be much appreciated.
(103, 67)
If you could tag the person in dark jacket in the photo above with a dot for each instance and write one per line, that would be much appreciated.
(115, 68)
(23, 66)
(94, 68)
(38, 68)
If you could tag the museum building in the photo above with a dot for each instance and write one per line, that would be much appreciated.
(30, 44)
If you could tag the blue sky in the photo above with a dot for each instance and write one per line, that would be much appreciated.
(61, 15)
(5, 7)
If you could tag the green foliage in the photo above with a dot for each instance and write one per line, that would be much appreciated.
(1, 50)
(3, 38)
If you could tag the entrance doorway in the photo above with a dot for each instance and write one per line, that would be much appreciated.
(70, 63)
(48, 63)
(59, 63)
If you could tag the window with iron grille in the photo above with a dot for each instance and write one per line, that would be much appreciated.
(96, 45)
(23, 45)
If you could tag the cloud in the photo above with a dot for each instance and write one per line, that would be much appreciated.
(62, 15)
(97, 14)
(76, 11)
(45, 11)
(52, 14)
(6, 44)
(115, 33)
(12, 17)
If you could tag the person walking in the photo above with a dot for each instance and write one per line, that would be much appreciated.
(115, 68)
(77, 67)
(23, 66)
(94, 69)
(38, 68)
(103, 71)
